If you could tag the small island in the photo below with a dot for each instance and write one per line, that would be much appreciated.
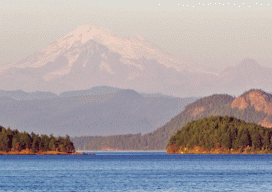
(13, 142)
(221, 135)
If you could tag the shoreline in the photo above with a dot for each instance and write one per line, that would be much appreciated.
(122, 151)
(29, 152)
(172, 149)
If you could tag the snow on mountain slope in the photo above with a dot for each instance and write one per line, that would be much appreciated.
(129, 48)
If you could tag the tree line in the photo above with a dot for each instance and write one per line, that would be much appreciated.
(217, 131)
(13, 140)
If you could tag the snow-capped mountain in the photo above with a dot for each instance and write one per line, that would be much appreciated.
(75, 43)
(93, 56)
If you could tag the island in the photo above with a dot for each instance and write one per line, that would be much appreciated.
(221, 135)
(13, 142)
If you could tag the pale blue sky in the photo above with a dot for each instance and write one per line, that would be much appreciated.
(205, 32)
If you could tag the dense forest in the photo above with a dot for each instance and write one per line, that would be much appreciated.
(13, 140)
(218, 104)
(221, 132)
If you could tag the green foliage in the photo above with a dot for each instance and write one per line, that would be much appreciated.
(4, 140)
(17, 141)
(226, 131)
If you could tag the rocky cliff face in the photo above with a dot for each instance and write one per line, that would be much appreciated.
(258, 99)
(254, 104)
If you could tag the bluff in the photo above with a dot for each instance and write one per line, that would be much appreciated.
(253, 106)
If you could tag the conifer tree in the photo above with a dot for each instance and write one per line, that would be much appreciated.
(266, 141)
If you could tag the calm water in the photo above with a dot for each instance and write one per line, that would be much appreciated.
(137, 171)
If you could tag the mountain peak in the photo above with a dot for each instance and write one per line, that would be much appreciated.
(254, 91)
(249, 63)
(85, 33)
(131, 48)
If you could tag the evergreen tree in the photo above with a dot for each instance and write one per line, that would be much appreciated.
(266, 141)
(4, 141)
(52, 143)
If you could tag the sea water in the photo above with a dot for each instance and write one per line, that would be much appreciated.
(136, 171)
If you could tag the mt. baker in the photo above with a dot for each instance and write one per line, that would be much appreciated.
(93, 56)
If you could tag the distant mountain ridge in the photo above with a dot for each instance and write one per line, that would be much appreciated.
(93, 56)
(22, 95)
(256, 110)
(97, 111)
(39, 95)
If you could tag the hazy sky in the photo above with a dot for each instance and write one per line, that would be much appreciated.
(212, 33)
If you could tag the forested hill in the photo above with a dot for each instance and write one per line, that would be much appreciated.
(254, 106)
(217, 134)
